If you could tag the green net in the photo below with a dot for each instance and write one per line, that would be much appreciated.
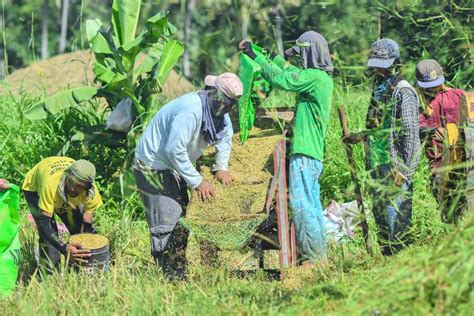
(230, 219)
(255, 88)
(9, 239)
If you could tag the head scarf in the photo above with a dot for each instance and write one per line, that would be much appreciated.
(83, 171)
(212, 127)
(228, 83)
(381, 94)
(313, 50)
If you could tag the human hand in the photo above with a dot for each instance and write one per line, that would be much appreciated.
(77, 254)
(246, 48)
(205, 190)
(4, 185)
(397, 178)
(224, 177)
(438, 134)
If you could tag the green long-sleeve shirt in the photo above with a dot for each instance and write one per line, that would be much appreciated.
(314, 89)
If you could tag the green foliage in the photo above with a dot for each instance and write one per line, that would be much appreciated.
(433, 276)
(125, 15)
(116, 51)
(424, 28)
(59, 102)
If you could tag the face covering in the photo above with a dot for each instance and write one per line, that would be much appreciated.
(313, 51)
(213, 120)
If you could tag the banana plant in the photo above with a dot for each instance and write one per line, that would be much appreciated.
(117, 48)
(128, 65)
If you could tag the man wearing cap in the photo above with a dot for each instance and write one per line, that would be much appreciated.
(164, 163)
(314, 86)
(65, 187)
(394, 145)
(439, 121)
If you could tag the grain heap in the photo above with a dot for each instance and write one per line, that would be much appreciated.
(229, 219)
(90, 241)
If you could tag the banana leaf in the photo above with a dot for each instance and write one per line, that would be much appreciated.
(96, 40)
(159, 25)
(172, 51)
(108, 75)
(152, 58)
(125, 14)
(59, 102)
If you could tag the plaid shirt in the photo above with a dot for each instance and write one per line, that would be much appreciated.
(405, 148)
(396, 112)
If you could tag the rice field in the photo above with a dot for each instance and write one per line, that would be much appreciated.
(432, 277)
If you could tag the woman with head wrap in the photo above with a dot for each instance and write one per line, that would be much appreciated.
(65, 187)
(314, 86)
(164, 163)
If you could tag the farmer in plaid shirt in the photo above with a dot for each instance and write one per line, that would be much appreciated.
(394, 145)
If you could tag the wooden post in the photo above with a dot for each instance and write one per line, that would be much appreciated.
(357, 191)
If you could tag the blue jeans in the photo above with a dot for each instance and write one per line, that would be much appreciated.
(305, 203)
(392, 208)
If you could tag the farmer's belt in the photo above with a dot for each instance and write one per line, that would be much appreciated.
(141, 166)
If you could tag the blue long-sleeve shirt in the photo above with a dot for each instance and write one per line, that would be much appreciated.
(173, 140)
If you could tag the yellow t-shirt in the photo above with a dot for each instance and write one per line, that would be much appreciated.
(44, 179)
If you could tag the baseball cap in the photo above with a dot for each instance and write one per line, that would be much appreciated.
(227, 82)
(429, 74)
(383, 53)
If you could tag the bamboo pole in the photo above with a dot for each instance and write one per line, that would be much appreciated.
(360, 202)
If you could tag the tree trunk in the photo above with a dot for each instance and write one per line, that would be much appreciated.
(3, 49)
(244, 15)
(190, 4)
(44, 30)
(64, 25)
(278, 24)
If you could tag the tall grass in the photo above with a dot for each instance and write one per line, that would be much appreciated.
(430, 277)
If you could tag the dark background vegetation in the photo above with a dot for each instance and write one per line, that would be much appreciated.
(211, 29)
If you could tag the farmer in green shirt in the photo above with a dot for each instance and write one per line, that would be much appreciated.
(313, 85)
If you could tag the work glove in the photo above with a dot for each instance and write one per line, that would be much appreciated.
(88, 228)
(246, 48)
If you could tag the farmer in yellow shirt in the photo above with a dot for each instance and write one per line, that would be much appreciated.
(65, 187)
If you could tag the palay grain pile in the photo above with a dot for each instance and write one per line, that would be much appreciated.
(90, 241)
(230, 218)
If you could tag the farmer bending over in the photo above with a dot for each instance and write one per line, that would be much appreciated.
(172, 142)
(394, 145)
(313, 85)
(439, 121)
(65, 187)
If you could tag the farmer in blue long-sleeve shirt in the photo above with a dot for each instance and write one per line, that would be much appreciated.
(165, 157)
